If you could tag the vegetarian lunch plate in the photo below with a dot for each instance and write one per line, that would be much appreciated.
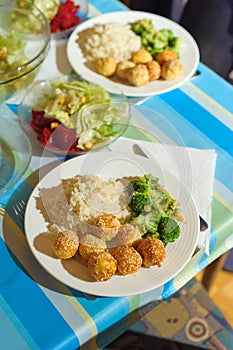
(189, 54)
(74, 272)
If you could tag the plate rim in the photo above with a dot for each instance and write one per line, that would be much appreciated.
(109, 85)
(97, 284)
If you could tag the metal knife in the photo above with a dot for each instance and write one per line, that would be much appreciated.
(137, 150)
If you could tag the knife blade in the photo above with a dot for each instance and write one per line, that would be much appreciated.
(138, 151)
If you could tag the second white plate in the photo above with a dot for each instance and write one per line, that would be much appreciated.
(189, 54)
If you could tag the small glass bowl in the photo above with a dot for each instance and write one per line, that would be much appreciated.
(29, 28)
(63, 145)
(15, 153)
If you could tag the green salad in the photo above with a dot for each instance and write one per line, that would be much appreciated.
(12, 52)
(83, 112)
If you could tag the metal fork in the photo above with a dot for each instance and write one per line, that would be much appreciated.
(19, 209)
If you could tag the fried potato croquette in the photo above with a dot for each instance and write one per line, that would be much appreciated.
(128, 260)
(141, 56)
(90, 244)
(66, 244)
(122, 69)
(152, 251)
(165, 56)
(154, 70)
(102, 266)
(109, 225)
(138, 75)
(172, 69)
(106, 66)
(127, 235)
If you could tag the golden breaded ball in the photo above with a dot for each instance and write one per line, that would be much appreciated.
(165, 56)
(141, 56)
(171, 70)
(152, 251)
(90, 244)
(122, 69)
(106, 66)
(109, 225)
(127, 235)
(138, 76)
(154, 70)
(128, 260)
(66, 244)
(102, 266)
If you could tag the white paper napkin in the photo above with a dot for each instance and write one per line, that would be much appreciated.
(194, 167)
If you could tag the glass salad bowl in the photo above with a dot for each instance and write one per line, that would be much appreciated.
(69, 116)
(24, 44)
(63, 15)
(15, 152)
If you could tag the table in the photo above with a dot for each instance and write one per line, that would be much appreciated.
(37, 311)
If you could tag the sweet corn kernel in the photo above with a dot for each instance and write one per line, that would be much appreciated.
(54, 125)
(88, 145)
(83, 99)
(3, 54)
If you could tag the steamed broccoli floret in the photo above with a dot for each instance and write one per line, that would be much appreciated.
(143, 25)
(152, 208)
(141, 191)
(138, 202)
(140, 185)
(169, 229)
(147, 222)
(169, 204)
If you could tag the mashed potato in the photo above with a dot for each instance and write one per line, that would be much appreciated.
(109, 39)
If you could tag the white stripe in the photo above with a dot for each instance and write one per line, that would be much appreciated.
(209, 104)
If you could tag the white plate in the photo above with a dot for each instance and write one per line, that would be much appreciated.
(189, 54)
(106, 165)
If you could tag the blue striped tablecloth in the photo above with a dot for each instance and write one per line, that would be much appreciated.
(37, 311)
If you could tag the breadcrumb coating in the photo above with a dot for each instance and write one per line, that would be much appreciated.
(106, 66)
(90, 244)
(102, 266)
(141, 56)
(165, 56)
(128, 260)
(138, 75)
(172, 69)
(154, 70)
(109, 225)
(65, 244)
(152, 251)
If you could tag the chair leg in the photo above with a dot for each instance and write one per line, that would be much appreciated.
(211, 271)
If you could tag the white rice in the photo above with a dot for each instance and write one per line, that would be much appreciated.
(93, 196)
(109, 39)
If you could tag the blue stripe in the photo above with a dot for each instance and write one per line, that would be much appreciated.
(172, 124)
(215, 87)
(14, 108)
(106, 6)
(200, 118)
(168, 289)
(110, 306)
(30, 294)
